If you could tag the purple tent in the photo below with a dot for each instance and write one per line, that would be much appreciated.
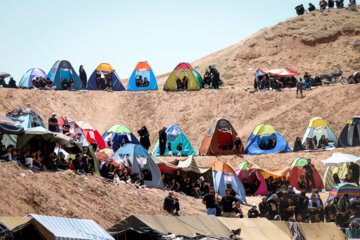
(26, 80)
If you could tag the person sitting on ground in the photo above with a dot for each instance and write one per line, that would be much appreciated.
(179, 149)
(343, 212)
(34, 123)
(49, 84)
(12, 83)
(311, 7)
(298, 145)
(300, 10)
(264, 208)
(323, 142)
(7, 153)
(352, 3)
(64, 84)
(106, 171)
(63, 164)
(277, 84)
(94, 145)
(331, 3)
(336, 178)
(237, 145)
(52, 162)
(340, 3)
(354, 78)
(71, 83)
(227, 204)
(42, 83)
(253, 212)
(207, 78)
(328, 209)
(66, 127)
(287, 208)
(2, 82)
(262, 145)
(169, 149)
(302, 183)
(322, 4)
(237, 211)
(315, 207)
(309, 144)
(139, 81)
(185, 82)
(227, 146)
(37, 161)
(171, 204)
(146, 82)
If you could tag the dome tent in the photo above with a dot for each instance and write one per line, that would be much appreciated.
(106, 70)
(24, 116)
(266, 133)
(26, 80)
(62, 69)
(117, 133)
(220, 133)
(184, 70)
(350, 135)
(144, 71)
(175, 136)
(318, 127)
(91, 134)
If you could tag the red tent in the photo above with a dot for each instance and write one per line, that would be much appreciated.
(283, 72)
(92, 134)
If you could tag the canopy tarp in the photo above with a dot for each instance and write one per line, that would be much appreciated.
(255, 229)
(338, 159)
(283, 72)
(276, 173)
(8, 126)
(189, 165)
(165, 166)
(67, 143)
(153, 227)
(68, 228)
(14, 222)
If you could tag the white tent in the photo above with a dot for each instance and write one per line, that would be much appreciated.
(338, 159)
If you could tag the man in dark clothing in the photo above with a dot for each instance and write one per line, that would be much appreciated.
(34, 123)
(215, 76)
(83, 77)
(311, 7)
(53, 123)
(78, 163)
(227, 204)
(12, 83)
(287, 209)
(162, 140)
(264, 208)
(253, 212)
(106, 171)
(354, 167)
(171, 204)
(2, 82)
(209, 202)
(339, 3)
(298, 145)
(309, 175)
(331, 3)
(237, 145)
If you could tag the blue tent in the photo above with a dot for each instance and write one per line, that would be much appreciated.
(26, 80)
(223, 174)
(102, 73)
(117, 133)
(175, 136)
(142, 78)
(136, 157)
(266, 133)
(62, 69)
(24, 116)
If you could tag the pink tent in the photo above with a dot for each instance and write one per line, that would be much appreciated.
(252, 175)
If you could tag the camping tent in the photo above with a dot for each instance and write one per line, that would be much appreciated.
(91, 134)
(104, 71)
(351, 189)
(251, 172)
(338, 163)
(265, 132)
(53, 228)
(224, 174)
(40, 133)
(154, 227)
(62, 69)
(138, 159)
(180, 71)
(220, 134)
(26, 80)
(116, 134)
(142, 70)
(24, 116)
(296, 169)
(175, 136)
(259, 73)
(350, 135)
(318, 127)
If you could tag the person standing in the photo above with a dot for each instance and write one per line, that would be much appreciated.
(227, 204)
(144, 137)
(309, 175)
(53, 123)
(354, 167)
(209, 202)
(162, 140)
(83, 77)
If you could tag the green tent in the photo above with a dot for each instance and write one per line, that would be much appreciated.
(299, 162)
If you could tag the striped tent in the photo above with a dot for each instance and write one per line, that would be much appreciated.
(340, 189)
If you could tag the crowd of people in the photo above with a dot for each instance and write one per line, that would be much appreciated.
(323, 4)
(312, 144)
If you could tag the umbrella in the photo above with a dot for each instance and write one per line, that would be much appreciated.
(104, 154)
(340, 189)
(338, 159)
(4, 74)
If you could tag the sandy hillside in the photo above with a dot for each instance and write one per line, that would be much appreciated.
(315, 43)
